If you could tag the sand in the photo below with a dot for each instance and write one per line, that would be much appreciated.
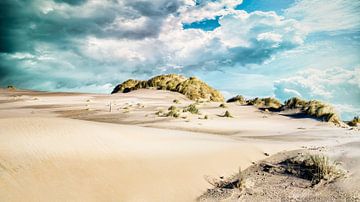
(97, 147)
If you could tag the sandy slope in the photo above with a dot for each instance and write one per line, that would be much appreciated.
(48, 154)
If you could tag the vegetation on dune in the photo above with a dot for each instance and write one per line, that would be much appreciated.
(222, 105)
(295, 103)
(239, 99)
(192, 87)
(258, 102)
(355, 121)
(268, 102)
(314, 108)
(315, 168)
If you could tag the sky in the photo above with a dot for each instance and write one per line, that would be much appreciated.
(255, 48)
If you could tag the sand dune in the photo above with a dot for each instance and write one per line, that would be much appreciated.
(72, 147)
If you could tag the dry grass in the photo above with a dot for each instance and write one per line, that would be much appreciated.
(313, 167)
(222, 105)
(314, 108)
(176, 101)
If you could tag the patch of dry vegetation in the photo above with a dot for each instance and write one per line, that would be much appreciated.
(313, 167)
(222, 105)
(192, 87)
(354, 122)
(268, 102)
(239, 99)
(314, 108)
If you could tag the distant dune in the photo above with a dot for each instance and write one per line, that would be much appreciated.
(192, 87)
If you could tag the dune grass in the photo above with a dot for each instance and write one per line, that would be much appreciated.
(314, 167)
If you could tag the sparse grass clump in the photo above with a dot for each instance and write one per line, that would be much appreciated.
(222, 105)
(192, 109)
(315, 168)
(176, 101)
(355, 121)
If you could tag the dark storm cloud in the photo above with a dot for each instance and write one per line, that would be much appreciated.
(71, 2)
(23, 23)
(28, 26)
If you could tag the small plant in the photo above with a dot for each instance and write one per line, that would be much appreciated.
(192, 109)
(206, 117)
(176, 101)
(222, 105)
(227, 114)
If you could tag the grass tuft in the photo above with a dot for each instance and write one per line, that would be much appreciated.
(192, 109)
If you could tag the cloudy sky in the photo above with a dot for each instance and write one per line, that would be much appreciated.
(280, 48)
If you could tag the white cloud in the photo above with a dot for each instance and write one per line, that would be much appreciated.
(335, 85)
(324, 15)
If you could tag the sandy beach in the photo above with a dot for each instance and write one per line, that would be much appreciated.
(97, 147)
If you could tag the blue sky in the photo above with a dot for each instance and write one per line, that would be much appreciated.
(279, 48)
